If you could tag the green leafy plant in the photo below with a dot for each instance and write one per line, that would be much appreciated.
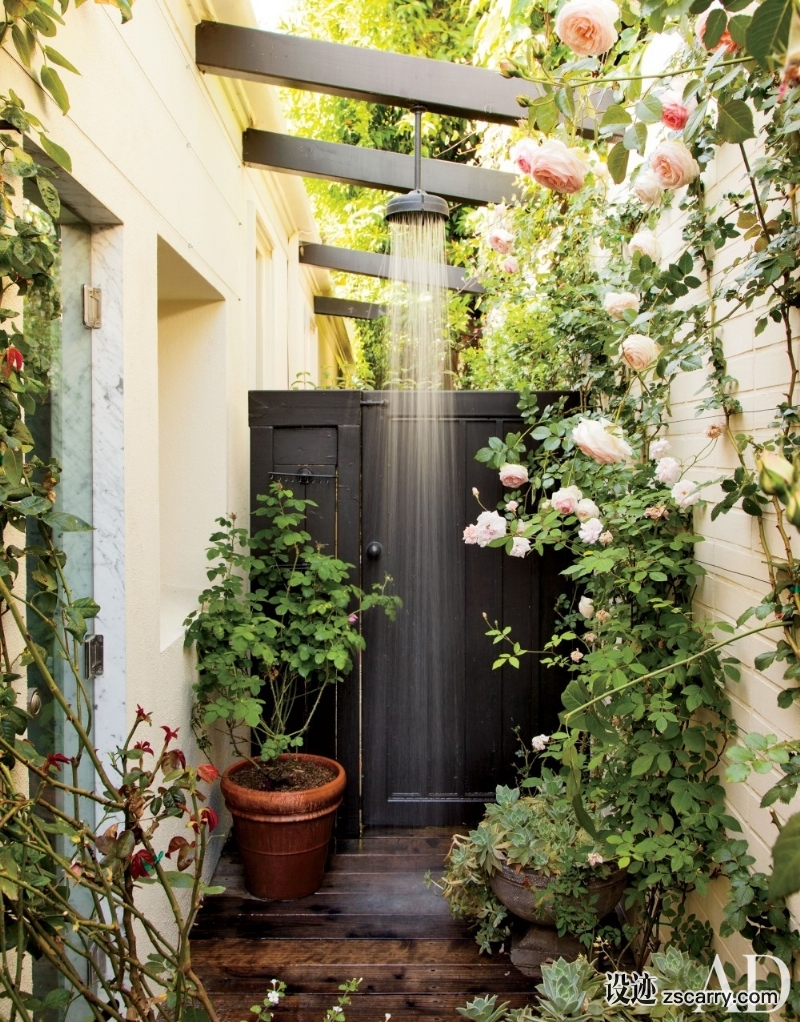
(538, 833)
(279, 626)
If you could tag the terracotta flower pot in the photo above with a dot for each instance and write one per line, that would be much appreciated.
(517, 892)
(283, 836)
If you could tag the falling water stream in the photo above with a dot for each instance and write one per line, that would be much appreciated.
(421, 470)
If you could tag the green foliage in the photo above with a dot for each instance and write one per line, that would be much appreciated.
(786, 855)
(281, 642)
(538, 833)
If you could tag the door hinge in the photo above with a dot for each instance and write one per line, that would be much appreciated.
(92, 306)
(93, 656)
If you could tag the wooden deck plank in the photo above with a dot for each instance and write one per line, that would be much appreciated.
(239, 977)
(268, 954)
(306, 1007)
(372, 919)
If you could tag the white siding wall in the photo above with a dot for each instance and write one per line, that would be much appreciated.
(737, 577)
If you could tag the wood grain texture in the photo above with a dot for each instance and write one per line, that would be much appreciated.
(380, 925)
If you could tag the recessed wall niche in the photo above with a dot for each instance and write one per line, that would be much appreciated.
(192, 431)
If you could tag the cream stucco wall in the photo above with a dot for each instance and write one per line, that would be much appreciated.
(204, 299)
(737, 577)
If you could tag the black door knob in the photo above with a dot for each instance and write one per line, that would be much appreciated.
(374, 550)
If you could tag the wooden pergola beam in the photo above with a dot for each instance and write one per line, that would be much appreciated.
(372, 264)
(374, 168)
(394, 79)
(347, 308)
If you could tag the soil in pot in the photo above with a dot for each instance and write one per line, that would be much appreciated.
(291, 774)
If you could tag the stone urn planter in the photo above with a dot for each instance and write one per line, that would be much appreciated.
(541, 943)
(518, 892)
(283, 836)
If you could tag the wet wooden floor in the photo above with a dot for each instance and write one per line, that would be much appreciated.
(373, 919)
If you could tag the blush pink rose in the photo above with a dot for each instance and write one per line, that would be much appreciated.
(674, 113)
(471, 534)
(672, 164)
(617, 302)
(566, 499)
(519, 547)
(586, 509)
(600, 440)
(500, 240)
(645, 243)
(490, 525)
(559, 168)
(511, 264)
(685, 493)
(523, 154)
(647, 190)
(513, 476)
(638, 351)
(588, 26)
(668, 471)
(591, 530)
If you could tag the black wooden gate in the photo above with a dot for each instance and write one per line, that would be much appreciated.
(432, 758)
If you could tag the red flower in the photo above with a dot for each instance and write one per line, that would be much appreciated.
(142, 714)
(142, 863)
(169, 734)
(206, 816)
(145, 747)
(207, 772)
(13, 360)
(55, 759)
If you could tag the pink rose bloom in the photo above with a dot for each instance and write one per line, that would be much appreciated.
(715, 430)
(672, 164)
(511, 264)
(588, 26)
(594, 859)
(490, 525)
(576, 656)
(606, 538)
(513, 476)
(471, 534)
(645, 243)
(519, 547)
(512, 505)
(557, 167)
(500, 240)
(639, 351)
(601, 441)
(591, 531)
(586, 509)
(566, 499)
(647, 190)
(725, 40)
(685, 493)
(668, 471)
(617, 302)
(523, 154)
(659, 448)
(539, 742)
(586, 607)
(521, 525)
(674, 113)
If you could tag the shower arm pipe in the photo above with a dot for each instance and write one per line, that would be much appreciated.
(418, 112)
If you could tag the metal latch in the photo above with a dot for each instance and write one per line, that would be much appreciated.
(92, 306)
(93, 656)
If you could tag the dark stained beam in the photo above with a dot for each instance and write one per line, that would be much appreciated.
(459, 90)
(374, 168)
(349, 309)
(372, 264)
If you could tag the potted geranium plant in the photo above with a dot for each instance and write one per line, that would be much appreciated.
(530, 856)
(277, 627)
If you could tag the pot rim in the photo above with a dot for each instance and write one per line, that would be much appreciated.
(285, 804)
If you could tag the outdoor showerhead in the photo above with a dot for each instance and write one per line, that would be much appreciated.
(417, 202)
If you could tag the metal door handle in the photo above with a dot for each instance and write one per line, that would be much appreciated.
(374, 550)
